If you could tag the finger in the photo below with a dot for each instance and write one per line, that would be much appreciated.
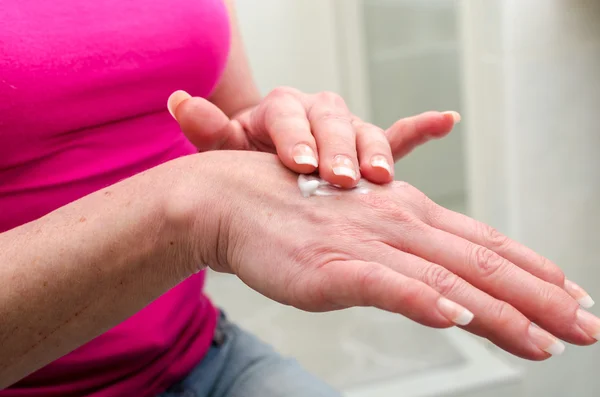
(527, 259)
(204, 124)
(494, 320)
(408, 133)
(330, 121)
(357, 283)
(546, 304)
(374, 153)
(285, 120)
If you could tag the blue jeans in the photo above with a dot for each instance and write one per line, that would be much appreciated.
(239, 365)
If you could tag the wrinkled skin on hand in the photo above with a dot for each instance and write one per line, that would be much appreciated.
(393, 249)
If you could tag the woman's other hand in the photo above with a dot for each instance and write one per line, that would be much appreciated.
(392, 248)
(310, 131)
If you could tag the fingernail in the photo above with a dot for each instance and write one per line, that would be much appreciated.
(455, 115)
(589, 323)
(303, 154)
(381, 162)
(579, 294)
(175, 99)
(545, 341)
(454, 312)
(343, 166)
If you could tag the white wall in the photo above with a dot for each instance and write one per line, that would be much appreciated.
(291, 42)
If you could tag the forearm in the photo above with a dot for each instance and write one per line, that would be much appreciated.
(82, 269)
(237, 90)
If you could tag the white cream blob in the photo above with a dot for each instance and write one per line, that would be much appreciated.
(311, 185)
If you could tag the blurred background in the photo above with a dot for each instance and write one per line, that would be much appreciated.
(525, 74)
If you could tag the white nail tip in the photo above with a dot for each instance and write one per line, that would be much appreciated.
(381, 164)
(344, 171)
(464, 318)
(555, 349)
(175, 99)
(309, 160)
(586, 302)
(455, 115)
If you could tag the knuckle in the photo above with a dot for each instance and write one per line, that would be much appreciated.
(555, 275)
(503, 314)
(413, 192)
(413, 294)
(551, 272)
(431, 212)
(389, 208)
(405, 189)
(555, 300)
(406, 127)
(486, 262)
(330, 97)
(367, 277)
(442, 280)
(333, 115)
(358, 123)
(493, 238)
(280, 92)
(372, 137)
(411, 197)
(278, 116)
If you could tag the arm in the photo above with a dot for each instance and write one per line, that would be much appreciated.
(84, 268)
(237, 90)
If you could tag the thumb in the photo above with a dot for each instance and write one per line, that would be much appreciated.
(204, 124)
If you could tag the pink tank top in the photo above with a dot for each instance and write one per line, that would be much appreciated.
(83, 90)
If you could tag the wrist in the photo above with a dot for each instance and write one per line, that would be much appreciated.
(192, 212)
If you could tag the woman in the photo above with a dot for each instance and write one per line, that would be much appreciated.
(109, 218)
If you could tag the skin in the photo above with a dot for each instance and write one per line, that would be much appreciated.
(162, 225)
(82, 269)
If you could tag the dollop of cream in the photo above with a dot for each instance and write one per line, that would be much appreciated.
(312, 185)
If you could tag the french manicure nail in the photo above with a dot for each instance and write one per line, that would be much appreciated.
(343, 166)
(589, 323)
(454, 312)
(175, 99)
(545, 341)
(455, 115)
(381, 162)
(304, 155)
(579, 294)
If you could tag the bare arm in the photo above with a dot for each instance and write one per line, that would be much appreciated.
(84, 268)
(237, 90)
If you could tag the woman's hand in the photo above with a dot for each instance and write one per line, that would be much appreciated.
(392, 248)
(309, 131)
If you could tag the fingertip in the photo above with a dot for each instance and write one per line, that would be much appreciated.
(175, 99)
(378, 170)
(342, 172)
(454, 312)
(437, 124)
(299, 168)
(303, 156)
(454, 115)
(343, 181)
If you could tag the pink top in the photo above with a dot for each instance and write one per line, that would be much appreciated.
(83, 90)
